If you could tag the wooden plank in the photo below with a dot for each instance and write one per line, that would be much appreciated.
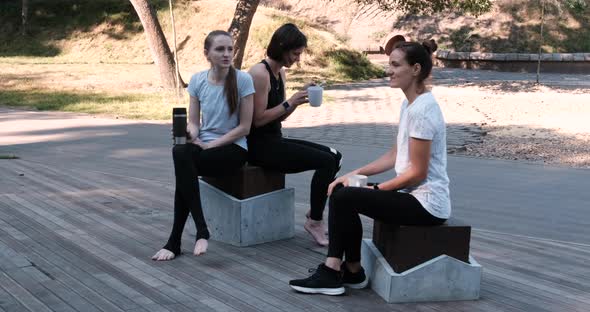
(32, 300)
(78, 257)
(9, 303)
(94, 233)
(62, 270)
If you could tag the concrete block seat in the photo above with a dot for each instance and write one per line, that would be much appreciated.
(421, 263)
(249, 207)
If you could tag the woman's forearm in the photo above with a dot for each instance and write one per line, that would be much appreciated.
(270, 115)
(382, 164)
(409, 178)
(230, 137)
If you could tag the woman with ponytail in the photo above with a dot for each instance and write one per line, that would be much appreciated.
(417, 195)
(220, 117)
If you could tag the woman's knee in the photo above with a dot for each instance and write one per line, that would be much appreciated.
(340, 196)
(331, 160)
(181, 152)
(340, 208)
(336, 159)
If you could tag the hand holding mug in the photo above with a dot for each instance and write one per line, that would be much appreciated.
(340, 180)
(357, 180)
(298, 98)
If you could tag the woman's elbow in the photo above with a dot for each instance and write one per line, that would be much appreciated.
(421, 176)
(245, 131)
(258, 122)
(418, 175)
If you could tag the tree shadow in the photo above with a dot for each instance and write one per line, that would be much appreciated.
(535, 145)
(276, 4)
(519, 86)
(484, 192)
(54, 20)
(459, 135)
(566, 29)
(76, 101)
(183, 43)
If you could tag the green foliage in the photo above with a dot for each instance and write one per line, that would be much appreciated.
(476, 7)
(61, 19)
(134, 106)
(578, 6)
(8, 156)
(566, 29)
(378, 35)
(352, 65)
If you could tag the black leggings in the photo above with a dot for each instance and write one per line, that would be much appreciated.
(190, 162)
(294, 156)
(344, 222)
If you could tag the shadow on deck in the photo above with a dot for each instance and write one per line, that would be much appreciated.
(78, 240)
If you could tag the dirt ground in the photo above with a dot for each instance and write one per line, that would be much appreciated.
(537, 123)
(525, 122)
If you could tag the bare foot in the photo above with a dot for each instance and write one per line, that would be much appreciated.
(200, 247)
(308, 216)
(163, 255)
(317, 231)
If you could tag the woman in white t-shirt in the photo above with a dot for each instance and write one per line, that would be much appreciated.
(220, 116)
(418, 195)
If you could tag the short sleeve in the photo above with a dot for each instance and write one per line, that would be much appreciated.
(245, 84)
(420, 126)
(194, 86)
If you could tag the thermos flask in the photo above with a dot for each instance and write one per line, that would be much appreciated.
(179, 125)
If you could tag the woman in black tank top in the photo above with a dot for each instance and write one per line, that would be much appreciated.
(266, 146)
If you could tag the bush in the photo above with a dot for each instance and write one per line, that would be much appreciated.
(352, 65)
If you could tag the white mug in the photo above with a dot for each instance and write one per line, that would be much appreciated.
(357, 180)
(314, 94)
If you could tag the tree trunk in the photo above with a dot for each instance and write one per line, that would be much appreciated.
(157, 43)
(24, 14)
(240, 28)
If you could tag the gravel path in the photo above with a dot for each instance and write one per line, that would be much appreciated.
(489, 115)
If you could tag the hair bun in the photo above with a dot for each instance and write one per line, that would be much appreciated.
(430, 46)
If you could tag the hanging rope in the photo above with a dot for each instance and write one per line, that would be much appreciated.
(176, 80)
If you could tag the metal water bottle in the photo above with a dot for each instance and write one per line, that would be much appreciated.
(179, 125)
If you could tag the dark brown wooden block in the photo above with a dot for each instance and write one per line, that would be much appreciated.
(404, 246)
(249, 181)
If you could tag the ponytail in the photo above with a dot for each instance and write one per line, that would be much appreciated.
(230, 89)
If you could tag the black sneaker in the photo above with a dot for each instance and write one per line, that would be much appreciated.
(323, 281)
(356, 280)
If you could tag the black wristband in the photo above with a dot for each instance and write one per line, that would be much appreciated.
(286, 105)
(376, 186)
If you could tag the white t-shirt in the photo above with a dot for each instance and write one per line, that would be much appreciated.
(215, 118)
(423, 119)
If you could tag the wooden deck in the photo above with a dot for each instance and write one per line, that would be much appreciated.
(74, 240)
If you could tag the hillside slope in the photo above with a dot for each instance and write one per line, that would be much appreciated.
(511, 25)
(109, 31)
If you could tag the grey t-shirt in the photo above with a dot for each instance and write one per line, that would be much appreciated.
(215, 118)
(423, 119)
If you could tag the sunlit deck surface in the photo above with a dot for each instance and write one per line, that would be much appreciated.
(78, 240)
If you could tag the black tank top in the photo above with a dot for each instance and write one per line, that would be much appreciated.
(276, 96)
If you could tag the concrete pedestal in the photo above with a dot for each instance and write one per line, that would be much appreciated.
(440, 279)
(244, 222)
